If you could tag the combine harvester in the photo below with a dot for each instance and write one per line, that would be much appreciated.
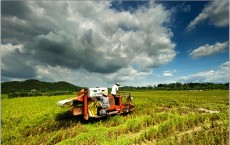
(88, 104)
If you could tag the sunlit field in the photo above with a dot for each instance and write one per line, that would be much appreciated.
(159, 117)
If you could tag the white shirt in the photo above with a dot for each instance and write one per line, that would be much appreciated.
(114, 89)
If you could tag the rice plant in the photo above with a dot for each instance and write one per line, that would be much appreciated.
(159, 117)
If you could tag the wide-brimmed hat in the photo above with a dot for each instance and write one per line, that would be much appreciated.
(118, 84)
(103, 93)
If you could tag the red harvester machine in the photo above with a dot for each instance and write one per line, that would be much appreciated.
(87, 103)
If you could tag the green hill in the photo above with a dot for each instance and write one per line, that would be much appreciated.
(28, 85)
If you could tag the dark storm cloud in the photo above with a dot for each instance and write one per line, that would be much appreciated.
(11, 11)
(60, 52)
(17, 66)
(20, 23)
(15, 8)
(82, 35)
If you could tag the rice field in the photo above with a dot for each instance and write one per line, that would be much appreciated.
(159, 117)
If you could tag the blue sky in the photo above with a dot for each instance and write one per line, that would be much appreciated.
(183, 13)
(136, 43)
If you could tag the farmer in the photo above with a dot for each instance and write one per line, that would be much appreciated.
(104, 100)
(114, 92)
(104, 104)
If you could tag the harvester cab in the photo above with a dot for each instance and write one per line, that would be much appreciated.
(89, 103)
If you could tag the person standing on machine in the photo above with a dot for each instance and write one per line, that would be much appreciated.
(114, 92)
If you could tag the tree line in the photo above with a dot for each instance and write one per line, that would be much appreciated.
(34, 86)
(180, 86)
(38, 88)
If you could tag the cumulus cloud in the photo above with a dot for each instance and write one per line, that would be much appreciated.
(225, 66)
(87, 36)
(127, 74)
(217, 12)
(220, 75)
(209, 49)
(79, 77)
(82, 77)
(6, 49)
(168, 73)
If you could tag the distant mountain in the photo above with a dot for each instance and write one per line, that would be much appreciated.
(36, 85)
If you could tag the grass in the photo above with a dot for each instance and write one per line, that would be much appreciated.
(159, 117)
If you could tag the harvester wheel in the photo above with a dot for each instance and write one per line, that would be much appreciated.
(86, 117)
